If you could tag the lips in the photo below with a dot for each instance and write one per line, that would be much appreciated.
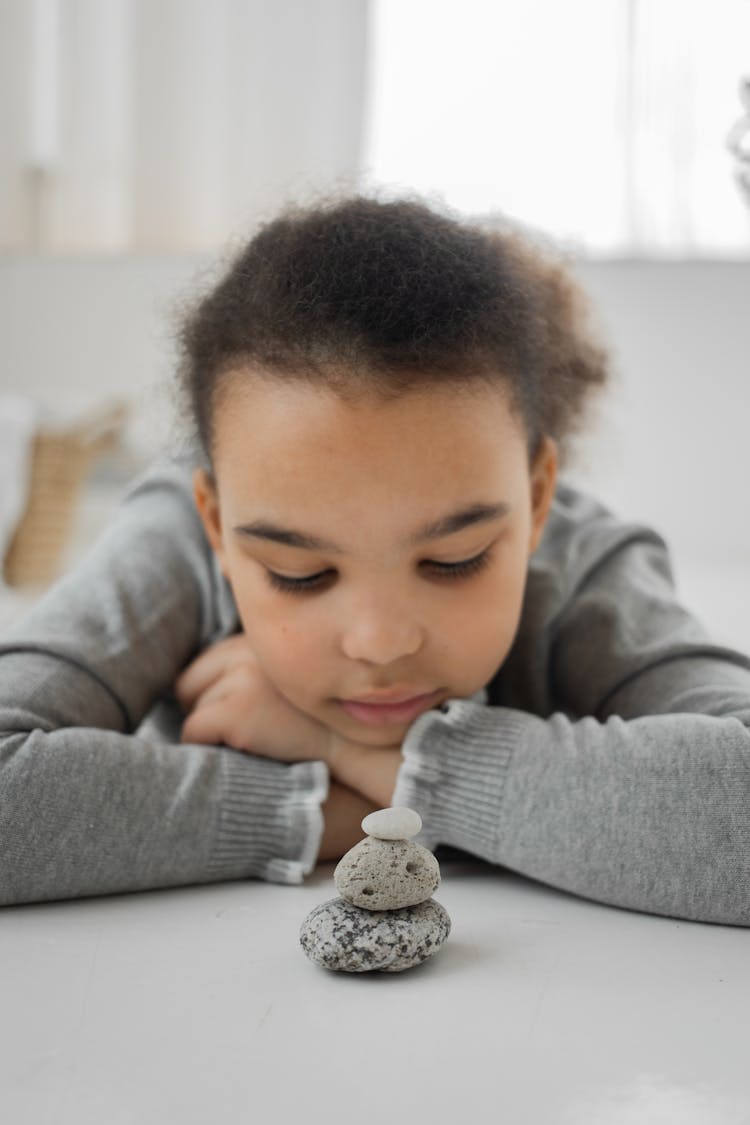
(381, 714)
(386, 698)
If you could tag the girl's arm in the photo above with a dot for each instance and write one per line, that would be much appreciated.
(623, 773)
(343, 812)
(91, 801)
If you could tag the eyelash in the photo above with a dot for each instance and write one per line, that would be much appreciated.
(452, 571)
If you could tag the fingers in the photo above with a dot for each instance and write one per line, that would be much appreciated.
(225, 686)
(211, 726)
(194, 680)
(207, 668)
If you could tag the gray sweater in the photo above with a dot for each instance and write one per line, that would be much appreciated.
(609, 756)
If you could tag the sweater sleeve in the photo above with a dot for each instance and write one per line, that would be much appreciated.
(92, 799)
(635, 789)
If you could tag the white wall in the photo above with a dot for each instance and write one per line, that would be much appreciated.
(672, 437)
(672, 441)
(76, 331)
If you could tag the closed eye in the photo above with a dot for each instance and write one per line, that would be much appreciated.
(466, 568)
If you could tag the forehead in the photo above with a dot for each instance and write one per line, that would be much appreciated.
(276, 410)
(292, 442)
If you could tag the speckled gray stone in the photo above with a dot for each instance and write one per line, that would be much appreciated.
(386, 874)
(397, 822)
(347, 939)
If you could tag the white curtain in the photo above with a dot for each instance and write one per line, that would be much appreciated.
(175, 125)
(602, 122)
(171, 124)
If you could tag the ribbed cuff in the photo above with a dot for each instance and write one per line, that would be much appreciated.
(454, 773)
(270, 820)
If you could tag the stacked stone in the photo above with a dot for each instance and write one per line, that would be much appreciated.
(386, 919)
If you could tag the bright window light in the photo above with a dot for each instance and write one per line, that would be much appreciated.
(602, 122)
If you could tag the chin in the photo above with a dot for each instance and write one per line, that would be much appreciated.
(381, 736)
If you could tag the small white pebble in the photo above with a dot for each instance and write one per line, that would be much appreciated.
(396, 823)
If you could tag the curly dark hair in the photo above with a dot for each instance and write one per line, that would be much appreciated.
(370, 297)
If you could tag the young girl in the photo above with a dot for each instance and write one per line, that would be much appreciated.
(369, 586)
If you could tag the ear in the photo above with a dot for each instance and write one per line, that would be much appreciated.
(543, 483)
(207, 503)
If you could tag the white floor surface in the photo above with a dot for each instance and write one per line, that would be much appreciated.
(198, 1005)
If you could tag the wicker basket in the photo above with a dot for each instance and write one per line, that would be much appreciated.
(60, 464)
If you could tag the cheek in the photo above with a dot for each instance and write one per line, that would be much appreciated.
(286, 642)
(488, 621)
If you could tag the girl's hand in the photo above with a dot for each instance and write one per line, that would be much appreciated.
(343, 813)
(369, 770)
(230, 701)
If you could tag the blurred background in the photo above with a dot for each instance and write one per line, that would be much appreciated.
(142, 141)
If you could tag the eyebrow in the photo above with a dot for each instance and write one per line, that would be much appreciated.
(446, 525)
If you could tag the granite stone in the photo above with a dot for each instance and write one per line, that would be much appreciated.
(345, 938)
(386, 874)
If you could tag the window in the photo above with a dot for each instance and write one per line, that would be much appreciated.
(602, 122)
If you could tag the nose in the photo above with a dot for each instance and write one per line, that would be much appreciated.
(380, 630)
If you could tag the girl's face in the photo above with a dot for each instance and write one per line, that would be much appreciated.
(374, 546)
